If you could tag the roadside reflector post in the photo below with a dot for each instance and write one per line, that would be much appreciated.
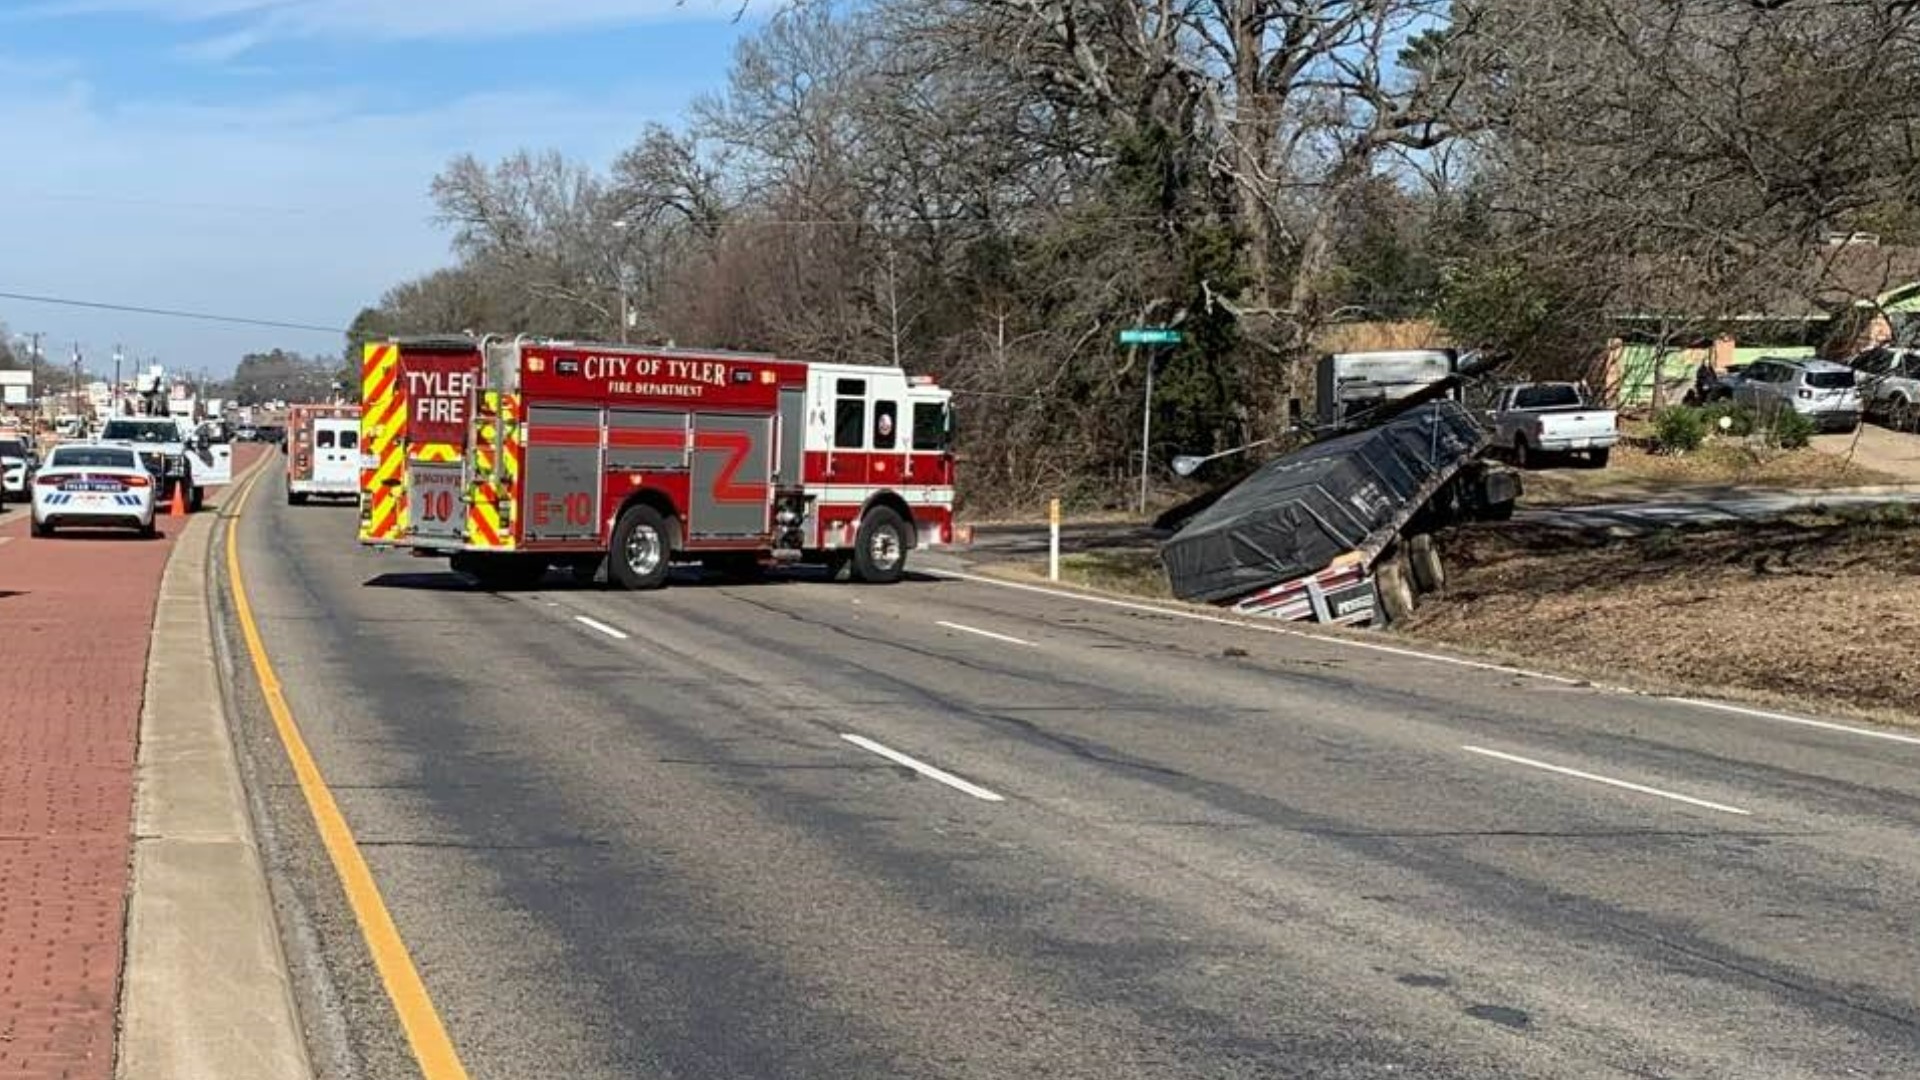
(1053, 540)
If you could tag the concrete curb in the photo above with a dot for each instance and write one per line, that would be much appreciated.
(205, 993)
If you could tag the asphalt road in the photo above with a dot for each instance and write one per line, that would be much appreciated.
(627, 836)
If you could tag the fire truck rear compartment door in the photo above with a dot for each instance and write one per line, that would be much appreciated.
(561, 473)
(434, 494)
(730, 495)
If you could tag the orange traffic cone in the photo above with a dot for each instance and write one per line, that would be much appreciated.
(178, 506)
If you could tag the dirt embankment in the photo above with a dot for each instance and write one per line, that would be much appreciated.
(1823, 611)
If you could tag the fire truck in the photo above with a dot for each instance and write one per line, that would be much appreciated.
(513, 457)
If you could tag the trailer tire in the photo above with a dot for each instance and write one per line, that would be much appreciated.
(641, 552)
(1522, 454)
(1597, 459)
(1395, 587)
(1423, 558)
(880, 548)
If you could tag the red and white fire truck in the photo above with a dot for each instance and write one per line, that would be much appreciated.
(512, 457)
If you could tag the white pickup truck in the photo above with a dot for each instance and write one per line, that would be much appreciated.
(1541, 421)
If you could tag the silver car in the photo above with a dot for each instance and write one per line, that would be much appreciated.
(1820, 390)
(1890, 383)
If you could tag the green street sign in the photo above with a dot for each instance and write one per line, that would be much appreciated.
(1151, 335)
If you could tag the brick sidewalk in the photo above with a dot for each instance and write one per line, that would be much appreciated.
(76, 614)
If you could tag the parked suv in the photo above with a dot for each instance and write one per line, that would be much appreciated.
(1890, 386)
(1820, 390)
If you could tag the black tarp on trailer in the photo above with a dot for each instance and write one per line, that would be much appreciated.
(1299, 512)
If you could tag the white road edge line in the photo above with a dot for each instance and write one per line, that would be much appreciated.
(1415, 654)
(1784, 718)
(596, 624)
(1195, 616)
(984, 633)
(923, 768)
(1607, 780)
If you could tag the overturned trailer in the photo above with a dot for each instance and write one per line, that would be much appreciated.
(1340, 531)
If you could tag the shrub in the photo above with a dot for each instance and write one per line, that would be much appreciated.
(1739, 419)
(1792, 430)
(1679, 429)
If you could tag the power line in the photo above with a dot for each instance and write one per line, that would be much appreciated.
(170, 313)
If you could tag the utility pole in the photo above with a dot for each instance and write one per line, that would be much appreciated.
(113, 393)
(33, 366)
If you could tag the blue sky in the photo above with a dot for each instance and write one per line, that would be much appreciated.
(270, 158)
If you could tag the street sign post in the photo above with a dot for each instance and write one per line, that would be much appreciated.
(1153, 337)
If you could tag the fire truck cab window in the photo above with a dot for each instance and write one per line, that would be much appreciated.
(849, 421)
(323, 439)
(886, 417)
(929, 426)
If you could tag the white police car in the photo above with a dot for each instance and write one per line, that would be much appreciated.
(92, 485)
(15, 464)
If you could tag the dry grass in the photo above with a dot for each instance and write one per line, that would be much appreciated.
(1719, 466)
(1823, 611)
(1126, 571)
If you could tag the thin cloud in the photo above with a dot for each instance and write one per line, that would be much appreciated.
(222, 49)
(389, 20)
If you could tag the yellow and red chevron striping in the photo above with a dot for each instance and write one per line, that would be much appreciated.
(382, 411)
(495, 473)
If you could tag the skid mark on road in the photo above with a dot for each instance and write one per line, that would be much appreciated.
(432, 1048)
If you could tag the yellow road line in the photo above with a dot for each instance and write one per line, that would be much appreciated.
(432, 1048)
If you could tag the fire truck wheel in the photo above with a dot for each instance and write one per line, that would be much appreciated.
(1423, 557)
(642, 549)
(296, 498)
(880, 549)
